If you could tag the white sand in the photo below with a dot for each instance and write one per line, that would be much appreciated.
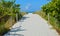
(32, 25)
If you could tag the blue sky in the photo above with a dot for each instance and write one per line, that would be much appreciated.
(31, 5)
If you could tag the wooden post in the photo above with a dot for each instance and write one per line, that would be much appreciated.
(11, 19)
(48, 17)
(16, 17)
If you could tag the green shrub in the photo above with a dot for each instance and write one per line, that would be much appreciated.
(3, 30)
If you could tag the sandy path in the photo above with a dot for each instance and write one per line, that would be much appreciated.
(32, 25)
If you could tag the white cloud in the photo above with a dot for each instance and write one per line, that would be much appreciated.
(27, 6)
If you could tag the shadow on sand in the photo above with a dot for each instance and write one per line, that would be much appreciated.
(23, 18)
(13, 31)
(17, 29)
(14, 35)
